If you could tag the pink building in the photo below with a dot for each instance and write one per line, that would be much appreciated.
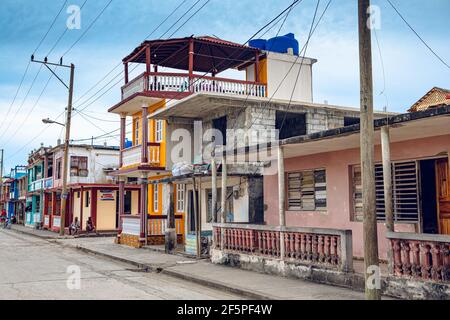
(313, 219)
(420, 146)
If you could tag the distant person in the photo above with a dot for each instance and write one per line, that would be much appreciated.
(74, 227)
(90, 225)
(3, 217)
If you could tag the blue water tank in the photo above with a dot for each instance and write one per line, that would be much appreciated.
(128, 143)
(258, 43)
(282, 44)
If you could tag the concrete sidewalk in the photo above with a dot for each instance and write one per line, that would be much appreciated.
(245, 283)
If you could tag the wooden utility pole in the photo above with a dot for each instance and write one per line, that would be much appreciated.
(64, 193)
(387, 178)
(66, 164)
(367, 149)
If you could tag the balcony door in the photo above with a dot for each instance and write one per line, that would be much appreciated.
(443, 189)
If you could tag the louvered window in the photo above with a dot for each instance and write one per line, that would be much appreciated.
(307, 190)
(405, 188)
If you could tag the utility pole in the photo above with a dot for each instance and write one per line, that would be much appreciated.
(64, 193)
(367, 152)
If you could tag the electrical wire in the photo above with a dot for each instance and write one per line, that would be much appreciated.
(418, 36)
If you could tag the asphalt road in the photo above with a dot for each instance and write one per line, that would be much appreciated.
(32, 268)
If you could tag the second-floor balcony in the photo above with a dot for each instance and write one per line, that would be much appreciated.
(36, 185)
(177, 85)
(192, 65)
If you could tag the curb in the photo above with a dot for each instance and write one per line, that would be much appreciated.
(179, 275)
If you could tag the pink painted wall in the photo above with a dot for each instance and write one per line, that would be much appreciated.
(339, 196)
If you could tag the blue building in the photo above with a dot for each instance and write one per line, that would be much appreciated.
(15, 204)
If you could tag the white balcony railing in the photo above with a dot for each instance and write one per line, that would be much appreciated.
(48, 183)
(36, 185)
(131, 156)
(180, 82)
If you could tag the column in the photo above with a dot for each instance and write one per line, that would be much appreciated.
(94, 207)
(147, 59)
(281, 198)
(144, 208)
(144, 151)
(171, 233)
(125, 66)
(121, 204)
(191, 65)
(81, 207)
(214, 188)
(387, 179)
(122, 137)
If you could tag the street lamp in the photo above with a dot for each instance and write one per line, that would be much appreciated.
(48, 121)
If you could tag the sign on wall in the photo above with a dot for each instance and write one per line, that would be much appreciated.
(107, 195)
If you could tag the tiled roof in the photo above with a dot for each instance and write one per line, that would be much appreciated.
(435, 97)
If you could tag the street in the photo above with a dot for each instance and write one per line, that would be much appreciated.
(32, 268)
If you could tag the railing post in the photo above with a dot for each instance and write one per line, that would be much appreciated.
(122, 137)
(144, 151)
(346, 251)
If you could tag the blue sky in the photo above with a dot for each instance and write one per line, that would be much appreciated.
(410, 69)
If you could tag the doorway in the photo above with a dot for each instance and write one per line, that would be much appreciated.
(435, 196)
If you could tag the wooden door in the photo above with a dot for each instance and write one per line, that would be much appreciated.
(443, 190)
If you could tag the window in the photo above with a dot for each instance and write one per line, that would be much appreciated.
(78, 166)
(220, 124)
(159, 131)
(349, 121)
(155, 198)
(404, 192)
(180, 197)
(307, 190)
(87, 199)
(136, 132)
(290, 124)
(58, 168)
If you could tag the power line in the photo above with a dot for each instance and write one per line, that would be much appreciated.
(301, 64)
(65, 31)
(179, 19)
(22, 104)
(19, 127)
(29, 63)
(120, 63)
(417, 35)
(88, 28)
(51, 26)
(300, 53)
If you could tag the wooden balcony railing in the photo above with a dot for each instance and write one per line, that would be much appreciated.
(133, 155)
(421, 256)
(313, 246)
(157, 225)
(180, 82)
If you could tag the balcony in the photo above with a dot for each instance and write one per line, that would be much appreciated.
(178, 85)
(48, 183)
(134, 156)
(36, 185)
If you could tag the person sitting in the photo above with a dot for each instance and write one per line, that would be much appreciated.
(74, 227)
(90, 225)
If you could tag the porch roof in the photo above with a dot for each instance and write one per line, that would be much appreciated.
(403, 127)
(210, 53)
(202, 105)
(184, 178)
